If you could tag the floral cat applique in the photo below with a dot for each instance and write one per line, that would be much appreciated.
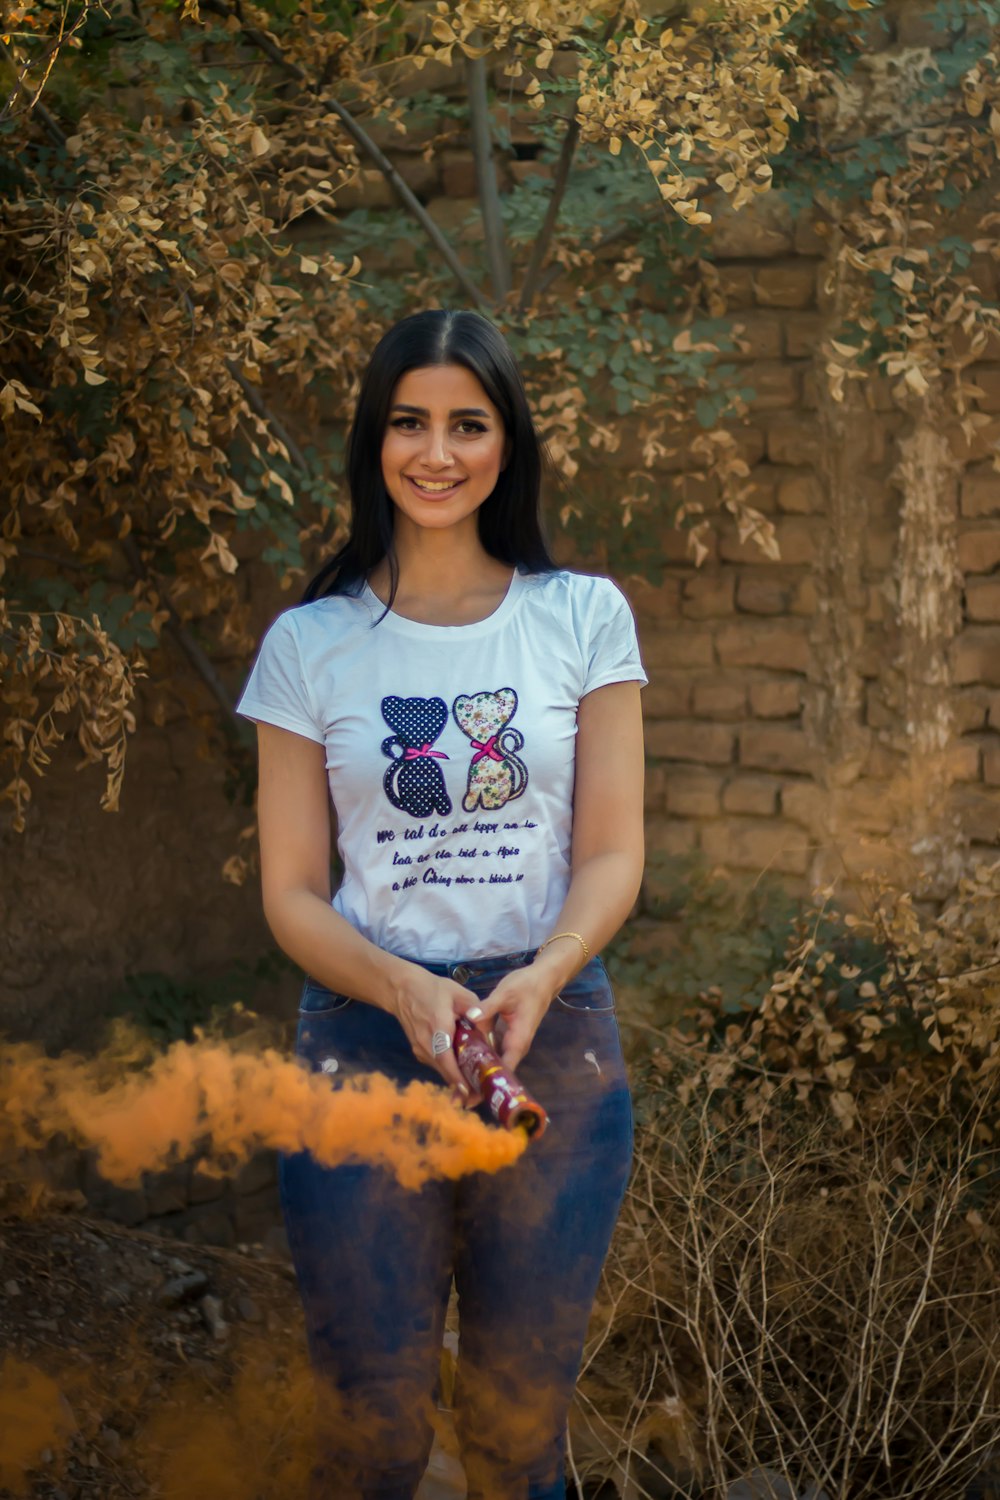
(496, 775)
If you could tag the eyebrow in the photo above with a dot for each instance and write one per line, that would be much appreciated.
(456, 411)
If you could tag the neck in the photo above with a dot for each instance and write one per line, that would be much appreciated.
(439, 563)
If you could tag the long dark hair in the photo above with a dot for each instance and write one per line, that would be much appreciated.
(509, 520)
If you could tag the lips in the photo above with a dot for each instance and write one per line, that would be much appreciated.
(435, 494)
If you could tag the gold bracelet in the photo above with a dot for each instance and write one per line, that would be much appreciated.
(556, 935)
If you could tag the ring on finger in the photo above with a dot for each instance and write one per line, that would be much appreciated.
(440, 1042)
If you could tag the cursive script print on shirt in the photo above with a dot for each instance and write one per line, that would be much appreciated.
(413, 782)
(496, 774)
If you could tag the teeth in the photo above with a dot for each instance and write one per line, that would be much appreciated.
(423, 484)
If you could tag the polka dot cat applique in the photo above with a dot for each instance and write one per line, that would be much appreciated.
(496, 775)
(413, 782)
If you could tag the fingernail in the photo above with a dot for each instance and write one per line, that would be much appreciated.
(474, 1012)
(463, 1089)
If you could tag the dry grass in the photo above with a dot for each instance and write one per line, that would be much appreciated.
(783, 1295)
(801, 1285)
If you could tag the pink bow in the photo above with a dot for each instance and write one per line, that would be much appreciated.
(490, 749)
(414, 754)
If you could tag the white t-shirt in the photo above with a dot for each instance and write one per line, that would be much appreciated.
(449, 753)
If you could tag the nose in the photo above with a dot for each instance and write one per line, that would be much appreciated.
(437, 448)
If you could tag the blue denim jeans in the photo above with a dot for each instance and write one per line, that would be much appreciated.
(525, 1246)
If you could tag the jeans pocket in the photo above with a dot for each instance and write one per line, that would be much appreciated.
(317, 1000)
(590, 992)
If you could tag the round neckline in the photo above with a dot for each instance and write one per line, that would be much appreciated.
(490, 622)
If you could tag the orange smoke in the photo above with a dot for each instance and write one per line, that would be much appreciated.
(228, 1103)
(34, 1415)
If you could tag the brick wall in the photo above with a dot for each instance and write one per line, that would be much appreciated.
(789, 723)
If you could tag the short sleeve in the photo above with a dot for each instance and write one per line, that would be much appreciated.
(613, 647)
(276, 690)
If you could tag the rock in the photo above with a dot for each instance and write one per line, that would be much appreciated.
(211, 1312)
(117, 1295)
(181, 1288)
(110, 1441)
(11, 1288)
(210, 1228)
(762, 1484)
(259, 1172)
(766, 1484)
(248, 1309)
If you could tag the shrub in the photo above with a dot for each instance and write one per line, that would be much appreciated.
(804, 1279)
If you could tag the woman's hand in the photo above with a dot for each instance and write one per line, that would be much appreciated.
(427, 1003)
(520, 1001)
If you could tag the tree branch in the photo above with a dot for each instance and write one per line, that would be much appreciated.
(541, 248)
(256, 401)
(497, 256)
(186, 641)
(364, 142)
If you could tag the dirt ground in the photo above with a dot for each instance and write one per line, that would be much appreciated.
(132, 1365)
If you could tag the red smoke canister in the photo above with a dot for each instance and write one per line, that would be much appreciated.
(510, 1103)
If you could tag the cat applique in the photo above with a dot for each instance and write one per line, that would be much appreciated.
(413, 782)
(496, 775)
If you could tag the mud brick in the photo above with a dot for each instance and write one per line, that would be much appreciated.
(797, 538)
(780, 645)
(761, 228)
(776, 386)
(671, 649)
(776, 747)
(987, 378)
(720, 697)
(654, 791)
(982, 598)
(670, 836)
(655, 602)
(806, 803)
(978, 811)
(736, 285)
(668, 695)
(776, 698)
(689, 739)
(757, 795)
(693, 794)
(762, 487)
(789, 284)
(793, 440)
(708, 595)
(964, 759)
(802, 334)
(975, 656)
(801, 493)
(980, 492)
(979, 549)
(758, 336)
(458, 174)
(420, 176)
(757, 845)
(971, 710)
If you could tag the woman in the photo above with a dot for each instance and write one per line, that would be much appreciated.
(475, 713)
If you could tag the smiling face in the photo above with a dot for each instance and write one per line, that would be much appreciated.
(443, 447)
